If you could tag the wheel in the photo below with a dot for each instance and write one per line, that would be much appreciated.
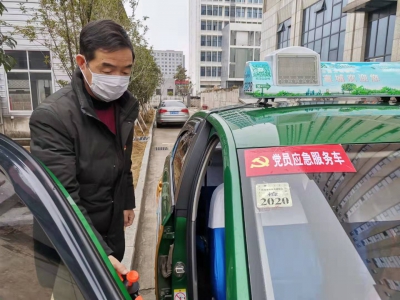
(158, 125)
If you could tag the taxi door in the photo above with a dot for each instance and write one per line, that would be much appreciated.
(47, 249)
(171, 251)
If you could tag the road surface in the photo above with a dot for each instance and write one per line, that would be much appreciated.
(146, 236)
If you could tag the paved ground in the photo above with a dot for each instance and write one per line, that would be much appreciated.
(146, 240)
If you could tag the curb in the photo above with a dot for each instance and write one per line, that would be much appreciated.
(131, 231)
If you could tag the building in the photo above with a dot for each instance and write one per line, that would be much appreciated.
(339, 30)
(30, 81)
(240, 44)
(207, 20)
(36, 75)
(168, 61)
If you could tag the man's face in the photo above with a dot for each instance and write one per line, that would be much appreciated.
(119, 62)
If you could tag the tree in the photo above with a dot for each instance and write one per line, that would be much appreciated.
(183, 85)
(349, 87)
(57, 25)
(6, 61)
(146, 75)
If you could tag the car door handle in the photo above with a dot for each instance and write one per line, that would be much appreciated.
(179, 269)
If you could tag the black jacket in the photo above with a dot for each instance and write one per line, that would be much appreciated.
(92, 163)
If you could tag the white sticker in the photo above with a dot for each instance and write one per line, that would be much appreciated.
(180, 294)
(273, 195)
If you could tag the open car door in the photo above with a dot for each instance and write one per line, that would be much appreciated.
(47, 249)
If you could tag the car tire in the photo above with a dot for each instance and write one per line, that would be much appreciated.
(158, 125)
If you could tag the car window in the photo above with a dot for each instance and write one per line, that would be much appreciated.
(179, 156)
(29, 264)
(172, 104)
(330, 232)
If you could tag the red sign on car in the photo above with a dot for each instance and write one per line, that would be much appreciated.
(297, 159)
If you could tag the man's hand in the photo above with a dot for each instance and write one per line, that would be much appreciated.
(129, 216)
(120, 268)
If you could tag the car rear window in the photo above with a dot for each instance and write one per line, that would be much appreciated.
(324, 233)
(172, 104)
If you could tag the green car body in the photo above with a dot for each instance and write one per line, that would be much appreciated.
(237, 129)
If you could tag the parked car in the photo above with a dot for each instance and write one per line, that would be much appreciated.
(171, 112)
(47, 248)
(248, 196)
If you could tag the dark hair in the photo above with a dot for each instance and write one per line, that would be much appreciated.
(105, 35)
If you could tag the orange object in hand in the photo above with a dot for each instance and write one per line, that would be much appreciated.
(132, 277)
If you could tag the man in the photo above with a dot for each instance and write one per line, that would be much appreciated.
(83, 133)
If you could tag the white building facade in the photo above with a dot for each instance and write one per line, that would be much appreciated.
(168, 61)
(207, 19)
(33, 78)
(241, 43)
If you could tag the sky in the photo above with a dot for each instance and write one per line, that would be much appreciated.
(168, 24)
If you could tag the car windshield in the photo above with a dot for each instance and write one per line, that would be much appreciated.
(172, 103)
(328, 232)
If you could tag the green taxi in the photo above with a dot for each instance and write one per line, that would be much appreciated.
(289, 200)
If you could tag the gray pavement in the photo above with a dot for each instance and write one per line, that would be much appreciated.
(146, 237)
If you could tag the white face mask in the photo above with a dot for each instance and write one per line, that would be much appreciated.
(107, 87)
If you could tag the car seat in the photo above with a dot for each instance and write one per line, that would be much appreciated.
(216, 225)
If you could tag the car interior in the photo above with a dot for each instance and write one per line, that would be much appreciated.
(210, 232)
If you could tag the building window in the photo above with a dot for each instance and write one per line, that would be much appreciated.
(209, 25)
(255, 11)
(240, 12)
(219, 41)
(214, 72)
(208, 71)
(203, 10)
(203, 40)
(324, 29)
(219, 72)
(203, 71)
(258, 38)
(214, 56)
(215, 10)
(203, 56)
(215, 26)
(249, 13)
(226, 11)
(209, 41)
(238, 59)
(284, 34)
(30, 81)
(208, 56)
(219, 56)
(380, 34)
(203, 25)
(257, 54)
(215, 41)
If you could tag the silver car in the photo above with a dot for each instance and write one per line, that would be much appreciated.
(171, 112)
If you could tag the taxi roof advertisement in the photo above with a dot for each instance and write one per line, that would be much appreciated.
(338, 79)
